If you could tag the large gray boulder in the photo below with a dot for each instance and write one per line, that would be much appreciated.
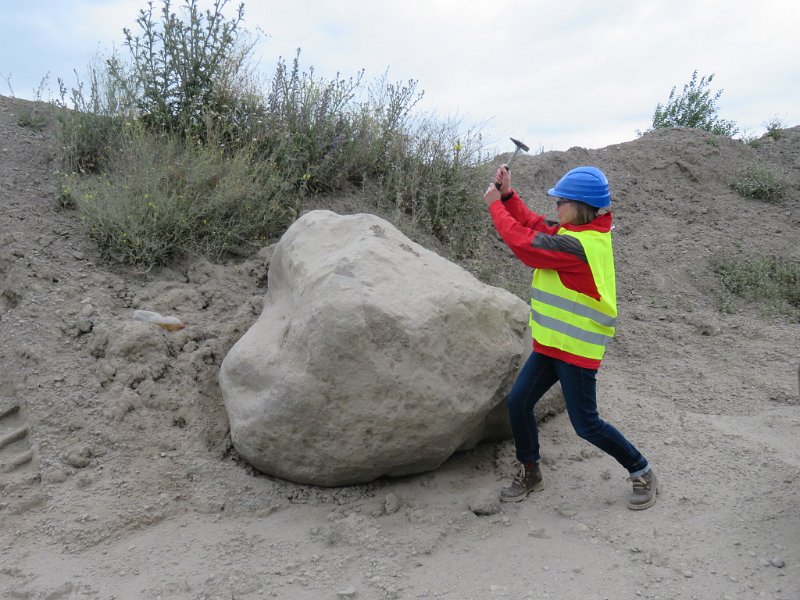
(372, 356)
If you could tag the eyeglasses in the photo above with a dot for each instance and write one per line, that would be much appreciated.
(560, 202)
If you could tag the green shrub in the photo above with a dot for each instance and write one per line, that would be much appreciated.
(160, 200)
(774, 126)
(695, 107)
(760, 183)
(772, 281)
(184, 68)
(432, 178)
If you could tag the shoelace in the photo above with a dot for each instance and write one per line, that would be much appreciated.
(639, 483)
(521, 475)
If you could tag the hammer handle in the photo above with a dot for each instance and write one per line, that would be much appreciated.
(497, 185)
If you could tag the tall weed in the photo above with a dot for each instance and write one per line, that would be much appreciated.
(184, 68)
(92, 117)
(432, 176)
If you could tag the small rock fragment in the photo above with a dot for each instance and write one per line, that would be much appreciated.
(485, 502)
(391, 504)
(539, 532)
(79, 457)
(84, 325)
(55, 476)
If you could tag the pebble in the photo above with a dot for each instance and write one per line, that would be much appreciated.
(349, 592)
(84, 325)
(485, 502)
(539, 532)
(391, 504)
(55, 476)
(688, 574)
(778, 562)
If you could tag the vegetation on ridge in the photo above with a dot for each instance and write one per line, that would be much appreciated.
(182, 150)
(694, 107)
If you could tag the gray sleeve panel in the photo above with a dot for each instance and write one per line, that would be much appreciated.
(559, 243)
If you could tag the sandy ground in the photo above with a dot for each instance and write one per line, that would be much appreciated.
(118, 480)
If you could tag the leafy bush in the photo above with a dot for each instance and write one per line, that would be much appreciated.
(433, 181)
(183, 69)
(760, 183)
(772, 281)
(325, 135)
(695, 107)
(161, 199)
(774, 126)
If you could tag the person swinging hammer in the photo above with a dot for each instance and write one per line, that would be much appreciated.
(572, 319)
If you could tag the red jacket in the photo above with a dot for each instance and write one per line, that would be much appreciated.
(533, 240)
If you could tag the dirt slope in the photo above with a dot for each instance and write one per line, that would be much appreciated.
(118, 481)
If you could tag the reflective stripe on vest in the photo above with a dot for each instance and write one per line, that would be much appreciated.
(571, 330)
(580, 309)
(568, 320)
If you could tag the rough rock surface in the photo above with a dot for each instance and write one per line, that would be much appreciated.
(373, 356)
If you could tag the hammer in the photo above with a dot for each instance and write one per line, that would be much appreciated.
(520, 146)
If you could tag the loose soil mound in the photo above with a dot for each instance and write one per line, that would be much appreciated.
(118, 478)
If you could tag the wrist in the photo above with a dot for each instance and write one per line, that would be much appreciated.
(507, 196)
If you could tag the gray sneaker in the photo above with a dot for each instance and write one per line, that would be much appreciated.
(527, 480)
(645, 490)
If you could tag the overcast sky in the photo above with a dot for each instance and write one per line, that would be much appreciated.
(554, 74)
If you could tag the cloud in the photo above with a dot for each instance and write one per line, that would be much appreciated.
(559, 74)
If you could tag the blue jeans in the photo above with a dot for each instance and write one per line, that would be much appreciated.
(578, 384)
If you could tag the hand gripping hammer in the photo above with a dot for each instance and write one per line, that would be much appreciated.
(520, 146)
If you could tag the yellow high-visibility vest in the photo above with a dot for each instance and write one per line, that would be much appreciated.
(571, 321)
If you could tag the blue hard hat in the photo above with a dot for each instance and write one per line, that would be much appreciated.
(584, 184)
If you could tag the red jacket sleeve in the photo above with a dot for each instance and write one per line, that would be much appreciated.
(519, 227)
(520, 211)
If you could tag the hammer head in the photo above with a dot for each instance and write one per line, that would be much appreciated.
(520, 145)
